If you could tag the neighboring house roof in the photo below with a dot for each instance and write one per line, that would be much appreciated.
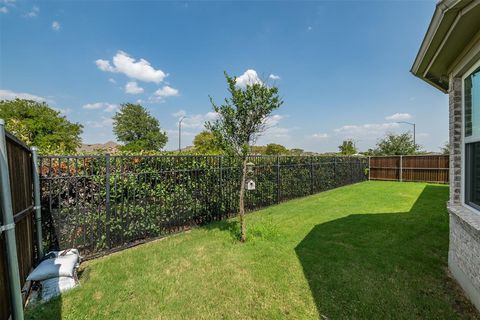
(110, 146)
(454, 25)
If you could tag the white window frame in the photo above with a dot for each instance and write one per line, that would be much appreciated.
(465, 140)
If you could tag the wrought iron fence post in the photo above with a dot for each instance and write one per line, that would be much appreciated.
(311, 175)
(37, 205)
(352, 163)
(220, 178)
(278, 179)
(107, 198)
(335, 171)
(9, 229)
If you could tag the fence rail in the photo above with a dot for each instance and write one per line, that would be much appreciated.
(20, 176)
(102, 203)
(429, 168)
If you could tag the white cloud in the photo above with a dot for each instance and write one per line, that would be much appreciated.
(195, 121)
(274, 77)
(139, 70)
(179, 113)
(371, 130)
(111, 80)
(63, 111)
(107, 107)
(104, 122)
(399, 117)
(104, 65)
(166, 91)
(10, 95)
(273, 120)
(273, 130)
(249, 77)
(319, 135)
(56, 26)
(133, 88)
(310, 28)
(32, 13)
(277, 132)
(3, 10)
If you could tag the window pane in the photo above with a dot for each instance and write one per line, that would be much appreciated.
(472, 174)
(472, 104)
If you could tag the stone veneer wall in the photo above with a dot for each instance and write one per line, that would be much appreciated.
(455, 126)
(464, 247)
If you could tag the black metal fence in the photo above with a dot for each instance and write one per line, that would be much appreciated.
(102, 203)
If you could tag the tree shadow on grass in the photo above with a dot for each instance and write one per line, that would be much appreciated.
(230, 225)
(385, 265)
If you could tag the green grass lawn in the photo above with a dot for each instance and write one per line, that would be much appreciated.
(374, 250)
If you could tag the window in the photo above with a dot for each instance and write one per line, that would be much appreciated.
(471, 100)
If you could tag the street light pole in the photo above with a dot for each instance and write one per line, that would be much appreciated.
(414, 128)
(180, 133)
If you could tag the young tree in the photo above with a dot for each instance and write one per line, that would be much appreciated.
(401, 144)
(347, 148)
(241, 119)
(275, 149)
(37, 124)
(137, 129)
(205, 143)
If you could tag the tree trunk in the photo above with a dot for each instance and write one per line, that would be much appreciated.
(241, 213)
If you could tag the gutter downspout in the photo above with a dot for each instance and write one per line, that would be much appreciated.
(10, 240)
(37, 206)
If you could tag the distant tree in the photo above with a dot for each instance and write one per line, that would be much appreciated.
(446, 148)
(296, 151)
(137, 129)
(258, 150)
(275, 149)
(393, 144)
(241, 119)
(347, 148)
(205, 143)
(37, 124)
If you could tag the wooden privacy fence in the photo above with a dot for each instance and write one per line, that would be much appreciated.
(428, 168)
(19, 160)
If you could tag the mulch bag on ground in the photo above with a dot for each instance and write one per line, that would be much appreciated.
(57, 273)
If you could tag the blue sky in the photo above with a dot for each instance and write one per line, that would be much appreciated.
(342, 68)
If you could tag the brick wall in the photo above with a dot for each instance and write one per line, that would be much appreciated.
(455, 123)
(464, 247)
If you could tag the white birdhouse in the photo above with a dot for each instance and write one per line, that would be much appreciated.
(250, 184)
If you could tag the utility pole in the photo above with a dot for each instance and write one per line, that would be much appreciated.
(414, 128)
(180, 133)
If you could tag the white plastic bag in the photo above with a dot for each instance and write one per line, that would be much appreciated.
(55, 286)
(61, 266)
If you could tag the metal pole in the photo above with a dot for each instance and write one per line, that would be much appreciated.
(414, 144)
(37, 205)
(9, 227)
(180, 133)
(414, 127)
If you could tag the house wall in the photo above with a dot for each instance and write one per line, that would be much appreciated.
(464, 246)
(455, 129)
